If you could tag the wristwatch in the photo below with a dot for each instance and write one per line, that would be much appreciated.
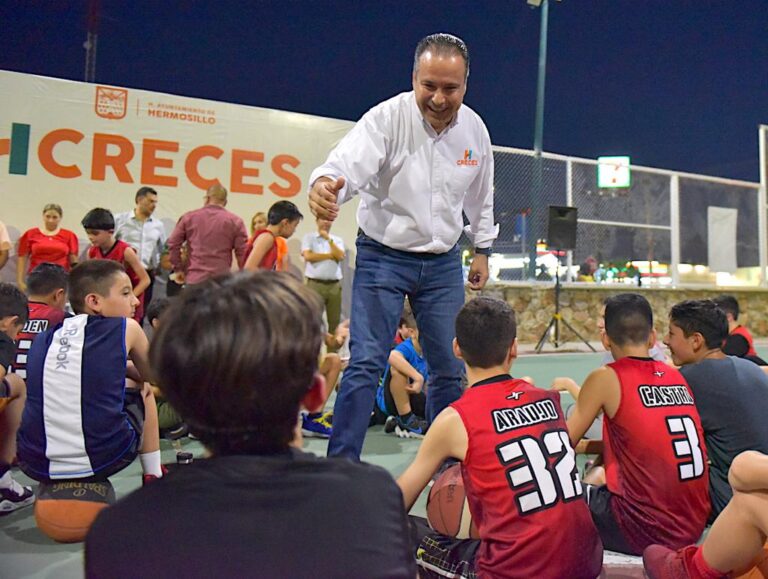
(486, 251)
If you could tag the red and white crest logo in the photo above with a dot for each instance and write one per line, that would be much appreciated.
(111, 103)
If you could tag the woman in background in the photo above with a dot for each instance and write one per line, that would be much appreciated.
(47, 244)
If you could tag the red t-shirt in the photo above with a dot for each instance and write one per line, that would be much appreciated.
(523, 486)
(42, 248)
(655, 458)
(744, 332)
(270, 259)
(117, 253)
(41, 318)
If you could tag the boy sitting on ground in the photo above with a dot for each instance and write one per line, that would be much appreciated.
(170, 423)
(731, 394)
(247, 510)
(283, 218)
(518, 467)
(739, 341)
(47, 291)
(80, 420)
(654, 486)
(401, 397)
(13, 315)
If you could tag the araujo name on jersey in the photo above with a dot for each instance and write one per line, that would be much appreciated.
(506, 419)
(654, 396)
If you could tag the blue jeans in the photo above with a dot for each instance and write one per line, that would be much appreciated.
(383, 277)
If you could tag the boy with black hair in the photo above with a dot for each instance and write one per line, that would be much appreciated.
(518, 467)
(283, 219)
(47, 291)
(170, 423)
(653, 488)
(258, 490)
(99, 225)
(739, 340)
(83, 420)
(13, 315)
(731, 394)
(401, 398)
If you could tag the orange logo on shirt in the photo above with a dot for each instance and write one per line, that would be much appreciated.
(111, 103)
(468, 160)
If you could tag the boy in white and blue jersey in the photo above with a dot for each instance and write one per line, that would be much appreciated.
(83, 418)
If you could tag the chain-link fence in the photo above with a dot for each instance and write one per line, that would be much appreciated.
(660, 221)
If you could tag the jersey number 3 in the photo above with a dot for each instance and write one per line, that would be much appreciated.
(686, 444)
(528, 459)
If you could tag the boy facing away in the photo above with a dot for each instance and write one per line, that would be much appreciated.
(249, 509)
(13, 315)
(283, 218)
(518, 466)
(654, 488)
(47, 291)
(99, 225)
(80, 420)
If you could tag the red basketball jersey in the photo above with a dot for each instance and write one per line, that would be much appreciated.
(41, 318)
(655, 458)
(523, 486)
(270, 260)
(117, 253)
(745, 333)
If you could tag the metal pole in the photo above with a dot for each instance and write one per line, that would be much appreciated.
(538, 138)
(762, 206)
(674, 221)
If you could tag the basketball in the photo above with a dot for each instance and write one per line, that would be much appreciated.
(64, 511)
(447, 506)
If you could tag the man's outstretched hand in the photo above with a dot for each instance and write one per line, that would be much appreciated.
(323, 197)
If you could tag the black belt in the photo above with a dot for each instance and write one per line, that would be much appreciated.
(328, 281)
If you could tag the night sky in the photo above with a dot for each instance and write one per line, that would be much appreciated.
(677, 84)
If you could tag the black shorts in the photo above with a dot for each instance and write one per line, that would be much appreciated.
(600, 500)
(439, 556)
(418, 401)
(133, 405)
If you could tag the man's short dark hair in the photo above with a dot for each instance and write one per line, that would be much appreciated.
(702, 316)
(236, 354)
(13, 302)
(94, 276)
(47, 278)
(156, 308)
(485, 330)
(729, 304)
(628, 319)
(99, 219)
(283, 210)
(442, 43)
(143, 192)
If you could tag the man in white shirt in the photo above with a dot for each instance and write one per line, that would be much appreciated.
(323, 253)
(418, 161)
(144, 233)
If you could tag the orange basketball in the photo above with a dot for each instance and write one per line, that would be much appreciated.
(447, 506)
(64, 511)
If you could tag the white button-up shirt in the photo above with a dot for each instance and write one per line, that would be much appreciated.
(327, 269)
(413, 182)
(146, 237)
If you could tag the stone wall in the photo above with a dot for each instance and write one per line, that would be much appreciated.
(580, 305)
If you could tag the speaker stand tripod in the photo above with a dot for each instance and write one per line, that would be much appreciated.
(557, 318)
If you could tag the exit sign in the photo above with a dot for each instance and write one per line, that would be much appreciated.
(613, 172)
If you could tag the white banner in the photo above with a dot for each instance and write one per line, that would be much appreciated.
(84, 145)
(721, 232)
